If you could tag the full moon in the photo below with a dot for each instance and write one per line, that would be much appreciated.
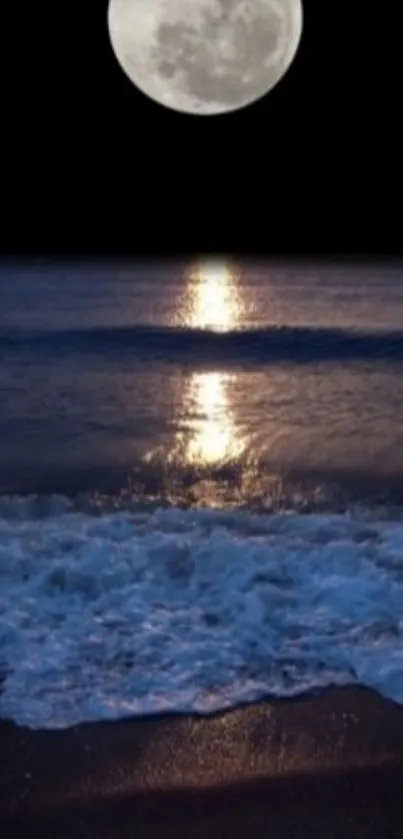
(205, 57)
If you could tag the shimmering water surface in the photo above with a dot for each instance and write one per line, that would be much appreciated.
(201, 483)
(247, 376)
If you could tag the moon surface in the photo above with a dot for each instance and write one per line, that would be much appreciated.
(205, 56)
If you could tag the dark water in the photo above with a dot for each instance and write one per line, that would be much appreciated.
(205, 382)
(138, 390)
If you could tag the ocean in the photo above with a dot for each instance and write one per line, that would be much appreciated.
(201, 484)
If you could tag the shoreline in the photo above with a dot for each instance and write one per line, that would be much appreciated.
(328, 765)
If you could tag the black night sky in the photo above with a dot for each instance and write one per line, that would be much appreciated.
(91, 165)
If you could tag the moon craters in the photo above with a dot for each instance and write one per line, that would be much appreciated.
(222, 56)
(217, 65)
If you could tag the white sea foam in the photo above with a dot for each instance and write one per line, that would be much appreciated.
(122, 614)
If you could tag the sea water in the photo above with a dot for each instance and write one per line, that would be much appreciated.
(201, 485)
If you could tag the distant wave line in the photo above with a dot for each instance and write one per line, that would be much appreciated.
(175, 344)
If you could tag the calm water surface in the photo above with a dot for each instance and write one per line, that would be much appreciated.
(209, 382)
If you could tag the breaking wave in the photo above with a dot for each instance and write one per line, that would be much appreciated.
(130, 612)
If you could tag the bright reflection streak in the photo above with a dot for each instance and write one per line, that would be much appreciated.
(214, 438)
(214, 303)
(209, 436)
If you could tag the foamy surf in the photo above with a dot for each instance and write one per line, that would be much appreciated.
(130, 613)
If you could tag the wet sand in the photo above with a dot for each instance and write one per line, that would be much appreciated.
(323, 766)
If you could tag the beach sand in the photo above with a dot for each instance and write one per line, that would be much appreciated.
(329, 765)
